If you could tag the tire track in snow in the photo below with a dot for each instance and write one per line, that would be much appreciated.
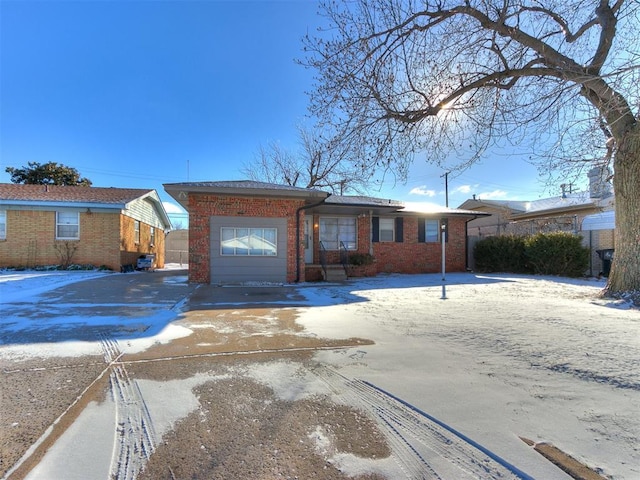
(135, 435)
(423, 447)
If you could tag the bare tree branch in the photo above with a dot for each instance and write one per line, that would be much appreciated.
(446, 79)
(319, 163)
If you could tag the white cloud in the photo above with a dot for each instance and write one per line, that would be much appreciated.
(462, 189)
(422, 191)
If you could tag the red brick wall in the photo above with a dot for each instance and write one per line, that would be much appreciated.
(413, 257)
(408, 256)
(204, 206)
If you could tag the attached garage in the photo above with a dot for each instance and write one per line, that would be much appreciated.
(245, 231)
(248, 249)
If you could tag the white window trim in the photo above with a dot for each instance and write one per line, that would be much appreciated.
(392, 229)
(152, 236)
(426, 236)
(249, 254)
(338, 217)
(136, 232)
(58, 224)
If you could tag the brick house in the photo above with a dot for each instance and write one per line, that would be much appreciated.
(563, 213)
(49, 225)
(241, 231)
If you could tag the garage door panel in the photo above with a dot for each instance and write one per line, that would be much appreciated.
(238, 268)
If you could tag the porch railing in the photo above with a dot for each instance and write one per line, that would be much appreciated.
(323, 259)
(344, 256)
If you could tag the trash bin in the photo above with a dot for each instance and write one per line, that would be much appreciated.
(606, 255)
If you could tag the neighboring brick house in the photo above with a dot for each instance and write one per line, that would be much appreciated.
(44, 225)
(243, 231)
(563, 213)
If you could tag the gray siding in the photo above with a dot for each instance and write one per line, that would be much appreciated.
(241, 269)
(145, 210)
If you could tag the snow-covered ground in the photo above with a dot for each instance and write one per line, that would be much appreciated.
(501, 357)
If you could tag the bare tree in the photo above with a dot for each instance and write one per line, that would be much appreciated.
(319, 163)
(397, 78)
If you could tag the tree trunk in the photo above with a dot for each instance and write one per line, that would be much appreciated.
(625, 270)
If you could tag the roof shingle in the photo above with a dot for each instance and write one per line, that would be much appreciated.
(63, 193)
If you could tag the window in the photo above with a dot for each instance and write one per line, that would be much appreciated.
(261, 242)
(136, 231)
(387, 229)
(432, 231)
(337, 230)
(152, 236)
(3, 224)
(67, 225)
(390, 230)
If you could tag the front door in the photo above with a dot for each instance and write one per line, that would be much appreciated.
(308, 240)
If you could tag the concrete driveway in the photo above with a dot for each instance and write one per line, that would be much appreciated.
(113, 305)
(124, 306)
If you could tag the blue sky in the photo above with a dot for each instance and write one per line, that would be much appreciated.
(141, 93)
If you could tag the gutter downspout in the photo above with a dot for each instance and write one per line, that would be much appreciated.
(304, 207)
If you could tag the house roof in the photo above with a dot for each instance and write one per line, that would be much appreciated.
(512, 205)
(63, 193)
(180, 191)
(330, 204)
(544, 206)
(356, 204)
(241, 185)
(363, 201)
(78, 196)
(430, 209)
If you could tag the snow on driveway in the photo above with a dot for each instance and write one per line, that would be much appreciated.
(502, 357)
(16, 286)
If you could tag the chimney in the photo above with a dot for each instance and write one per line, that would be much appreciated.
(599, 186)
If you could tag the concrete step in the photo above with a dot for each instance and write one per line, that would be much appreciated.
(335, 273)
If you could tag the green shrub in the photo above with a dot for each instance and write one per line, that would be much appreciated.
(501, 254)
(557, 253)
(361, 259)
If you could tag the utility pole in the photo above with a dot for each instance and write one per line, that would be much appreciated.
(446, 188)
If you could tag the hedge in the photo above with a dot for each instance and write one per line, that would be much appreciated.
(557, 253)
